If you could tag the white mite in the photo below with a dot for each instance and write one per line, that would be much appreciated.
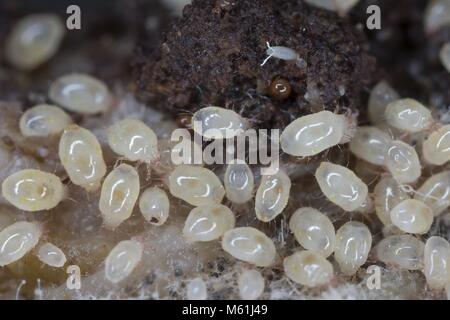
(380, 96)
(251, 284)
(283, 53)
(412, 216)
(408, 115)
(437, 262)
(207, 223)
(314, 133)
(340, 6)
(437, 15)
(353, 244)
(51, 255)
(196, 290)
(444, 55)
(82, 157)
(34, 40)
(195, 185)
(122, 260)
(403, 162)
(119, 194)
(435, 192)
(250, 245)
(17, 240)
(313, 230)
(80, 93)
(388, 193)
(401, 251)
(239, 182)
(33, 190)
(436, 148)
(369, 144)
(216, 122)
(43, 120)
(134, 140)
(154, 205)
(308, 268)
(272, 196)
(341, 186)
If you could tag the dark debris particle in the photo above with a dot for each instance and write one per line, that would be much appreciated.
(213, 56)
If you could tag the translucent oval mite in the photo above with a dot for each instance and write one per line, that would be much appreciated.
(412, 216)
(380, 96)
(196, 290)
(437, 15)
(195, 185)
(155, 206)
(403, 162)
(401, 251)
(33, 190)
(436, 148)
(134, 140)
(435, 192)
(250, 245)
(80, 93)
(122, 260)
(444, 56)
(250, 284)
(340, 6)
(51, 255)
(313, 230)
(308, 268)
(34, 40)
(43, 120)
(314, 133)
(341, 186)
(437, 262)
(353, 244)
(387, 194)
(272, 196)
(17, 240)
(369, 144)
(82, 157)
(408, 115)
(216, 122)
(207, 223)
(239, 182)
(119, 194)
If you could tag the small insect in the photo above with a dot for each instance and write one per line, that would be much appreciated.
(250, 245)
(308, 268)
(154, 205)
(17, 240)
(51, 255)
(436, 148)
(250, 284)
(408, 115)
(34, 40)
(33, 190)
(43, 120)
(437, 262)
(122, 260)
(401, 251)
(412, 216)
(80, 93)
(283, 53)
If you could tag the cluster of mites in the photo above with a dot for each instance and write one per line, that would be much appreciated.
(396, 203)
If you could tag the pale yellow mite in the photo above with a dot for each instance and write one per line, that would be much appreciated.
(313, 230)
(341, 186)
(308, 268)
(380, 96)
(122, 260)
(239, 182)
(133, 140)
(119, 194)
(353, 244)
(155, 206)
(250, 284)
(250, 245)
(272, 196)
(403, 162)
(369, 144)
(387, 193)
(207, 223)
(412, 216)
(435, 192)
(195, 185)
(51, 255)
(408, 115)
(437, 262)
(43, 120)
(82, 157)
(218, 123)
(17, 240)
(340, 6)
(436, 148)
(401, 251)
(33, 190)
(80, 93)
(34, 40)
